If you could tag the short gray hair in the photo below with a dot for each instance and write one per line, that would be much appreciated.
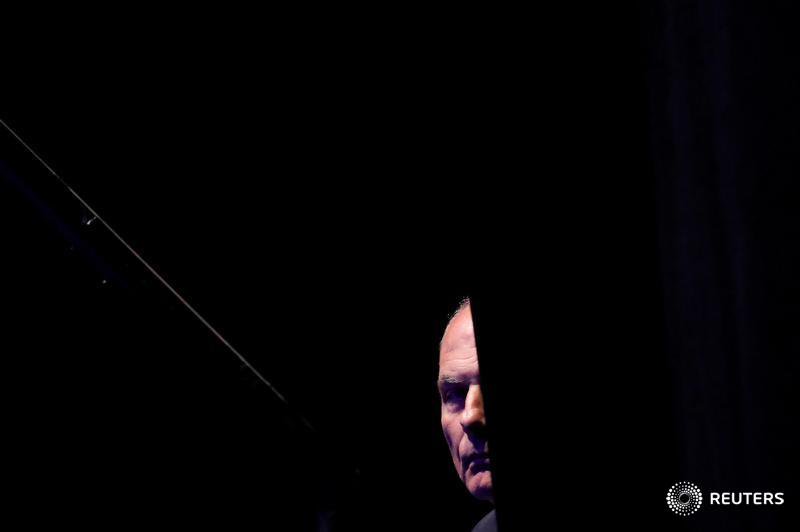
(464, 303)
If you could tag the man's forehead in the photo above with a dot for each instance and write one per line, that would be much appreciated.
(458, 366)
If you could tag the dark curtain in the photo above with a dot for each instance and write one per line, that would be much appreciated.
(646, 331)
(723, 82)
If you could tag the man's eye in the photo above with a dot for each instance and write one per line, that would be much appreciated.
(454, 395)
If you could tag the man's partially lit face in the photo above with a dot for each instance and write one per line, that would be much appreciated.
(463, 419)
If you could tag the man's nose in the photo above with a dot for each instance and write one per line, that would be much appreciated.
(473, 415)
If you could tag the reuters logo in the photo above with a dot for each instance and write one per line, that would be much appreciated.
(684, 498)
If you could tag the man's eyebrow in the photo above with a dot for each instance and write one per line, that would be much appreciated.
(452, 379)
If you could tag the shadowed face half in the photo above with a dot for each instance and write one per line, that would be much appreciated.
(463, 419)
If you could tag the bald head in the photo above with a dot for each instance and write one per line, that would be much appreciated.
(461, 320)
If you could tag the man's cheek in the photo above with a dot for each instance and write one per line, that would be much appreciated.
(447, 436)
(452, 437)
(446, 424)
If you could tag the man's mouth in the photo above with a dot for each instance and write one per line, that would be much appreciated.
(477, 462)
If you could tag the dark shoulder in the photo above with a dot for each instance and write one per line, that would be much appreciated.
(487, 524)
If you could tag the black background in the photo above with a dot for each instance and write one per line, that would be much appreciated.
(615, 188)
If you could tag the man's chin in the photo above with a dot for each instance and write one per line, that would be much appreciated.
(479, 485)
